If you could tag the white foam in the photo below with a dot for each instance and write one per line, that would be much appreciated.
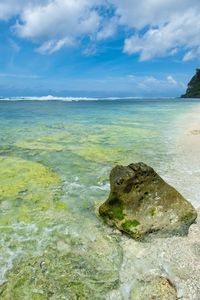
(70, 99)
(48, 98)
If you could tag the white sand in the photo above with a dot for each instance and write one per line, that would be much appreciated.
(177, 258)
(188, 143)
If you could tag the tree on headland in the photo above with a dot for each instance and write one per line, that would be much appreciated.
(193, 89)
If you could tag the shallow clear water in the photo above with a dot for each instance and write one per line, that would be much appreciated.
(55, 159)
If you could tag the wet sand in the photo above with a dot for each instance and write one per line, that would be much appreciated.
(175, 258)
(188, 143)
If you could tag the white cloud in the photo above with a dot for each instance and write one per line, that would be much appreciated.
(10, 8)
(108, 29)
(168, 26)
(171, 80)
(58, 18)
(192, 54)
(181, 32)
(90, 50)
(144, 85)
(58, 23)
(152, 28)
(138, 14)
(54, 45)
(153, 85)
(151, 82)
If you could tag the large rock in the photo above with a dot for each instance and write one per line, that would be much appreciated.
(193, 88)
(141, 203)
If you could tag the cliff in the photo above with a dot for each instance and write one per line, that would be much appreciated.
(193, 89)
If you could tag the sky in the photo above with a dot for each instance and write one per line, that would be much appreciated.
(98, 48)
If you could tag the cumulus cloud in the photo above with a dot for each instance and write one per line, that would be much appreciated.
(181, 32)
(58, 23)
(10, 8)
(58, 18)
(152, 28)
(161, 27)
(138, 14)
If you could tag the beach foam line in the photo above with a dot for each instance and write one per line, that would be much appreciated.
(70, 99)
(48, 98)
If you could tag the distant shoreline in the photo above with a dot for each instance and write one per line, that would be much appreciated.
(76, 99)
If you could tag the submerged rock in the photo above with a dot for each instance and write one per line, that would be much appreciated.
(20, 177)
(69, 267)
(141, 203)
(27, 190)
(157, 288)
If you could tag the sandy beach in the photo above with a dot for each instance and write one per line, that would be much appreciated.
(175, 258)
(188, 143)
(188, 155)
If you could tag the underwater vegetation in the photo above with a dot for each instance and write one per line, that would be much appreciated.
(26, 187)
(55, 159)
(53, 259)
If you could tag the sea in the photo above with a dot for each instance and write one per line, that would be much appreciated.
(55, 158)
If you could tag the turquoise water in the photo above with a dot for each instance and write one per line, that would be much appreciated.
(55, 159)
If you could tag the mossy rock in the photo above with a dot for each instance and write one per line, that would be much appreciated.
(156, 288)
(142, 203)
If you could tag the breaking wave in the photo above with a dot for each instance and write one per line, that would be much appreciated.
(70, 99)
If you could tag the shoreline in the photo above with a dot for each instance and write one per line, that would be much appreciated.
(187, 145)
(168, 257)
(189, 141)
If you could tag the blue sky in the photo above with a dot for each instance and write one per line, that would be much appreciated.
(98, 47)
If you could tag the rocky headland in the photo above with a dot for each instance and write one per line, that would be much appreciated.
(193, 89)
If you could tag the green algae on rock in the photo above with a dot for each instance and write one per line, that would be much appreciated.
(156, 288)
(42, 146)
(142, 203)
(19, 176)
(25, 187)
(70, 267)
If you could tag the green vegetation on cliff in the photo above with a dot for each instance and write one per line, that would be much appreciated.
(193, 89)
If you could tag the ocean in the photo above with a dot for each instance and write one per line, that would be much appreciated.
(55, 160)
